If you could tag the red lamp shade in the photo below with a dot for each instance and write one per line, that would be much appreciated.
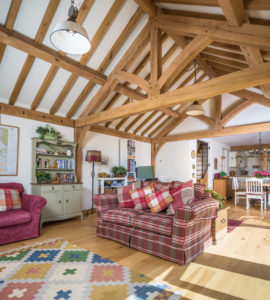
(93, 156)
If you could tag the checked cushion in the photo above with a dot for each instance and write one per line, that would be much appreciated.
(123, 194)
(183, 195)
(139, 195)
(199, 191)
(159, 200)
(9, 199)
(120, 216)
(159, 223)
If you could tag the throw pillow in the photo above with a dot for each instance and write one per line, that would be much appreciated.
(123, 194)
(183, 195)
(159, 200)
(199, 191)
(139, 195)
(9, 199)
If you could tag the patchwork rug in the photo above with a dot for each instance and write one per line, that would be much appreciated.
(232, 224)
(56, 270)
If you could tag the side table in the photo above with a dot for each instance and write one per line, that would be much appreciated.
(219, 225)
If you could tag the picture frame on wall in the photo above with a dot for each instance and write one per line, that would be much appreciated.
(9, 150)
(104, 161)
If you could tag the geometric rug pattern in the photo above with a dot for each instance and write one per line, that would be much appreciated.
(58, 270)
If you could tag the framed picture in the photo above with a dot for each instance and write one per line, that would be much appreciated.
(104, 160)
(9, 150)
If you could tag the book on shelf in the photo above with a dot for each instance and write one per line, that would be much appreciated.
(66, 177)
(42, 163)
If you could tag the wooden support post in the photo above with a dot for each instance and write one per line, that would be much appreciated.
(79, 135)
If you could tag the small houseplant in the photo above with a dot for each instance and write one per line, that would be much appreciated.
(119, 171)
(49, 133)
(43, 177)
(216, 196)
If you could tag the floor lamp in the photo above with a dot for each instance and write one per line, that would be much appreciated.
(93, 156)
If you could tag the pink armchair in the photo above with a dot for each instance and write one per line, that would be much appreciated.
(24, 223)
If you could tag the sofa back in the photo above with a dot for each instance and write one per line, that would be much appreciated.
(12, 185)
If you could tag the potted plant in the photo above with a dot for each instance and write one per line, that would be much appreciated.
(119, 171)
(49, 133)
(217, 197)
(43, 177)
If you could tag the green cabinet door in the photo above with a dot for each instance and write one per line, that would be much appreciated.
(72, 199)
(54, 206)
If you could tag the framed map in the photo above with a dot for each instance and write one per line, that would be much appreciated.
(9, 149)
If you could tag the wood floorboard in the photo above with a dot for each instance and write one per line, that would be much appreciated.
(238, 267)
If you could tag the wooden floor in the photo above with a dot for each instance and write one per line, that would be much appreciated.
(237, 268)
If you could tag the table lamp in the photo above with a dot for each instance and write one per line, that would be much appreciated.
(93, 156)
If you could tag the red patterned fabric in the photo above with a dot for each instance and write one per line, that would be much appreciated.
(179, 238)
(159, 200)
(120, 216)
(139, 195)
(199, 191)
(93, 156)
(103, 202)
(183, 195)
(159, 223)
(19, 226)
(123, 194)
(9, 199)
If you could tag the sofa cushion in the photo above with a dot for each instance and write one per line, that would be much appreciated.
(183, 195)
(12, 185)
(139, 195)
(123, 194)
(199, 191)
(14, 217)
(159, 200)
(9, 199)
(120, 216)
(159, 223)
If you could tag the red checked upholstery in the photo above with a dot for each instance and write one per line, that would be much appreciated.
(120, 216)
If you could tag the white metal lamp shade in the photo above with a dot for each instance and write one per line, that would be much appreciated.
(195, 109)
(71, 38)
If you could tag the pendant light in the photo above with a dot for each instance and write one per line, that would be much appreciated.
(69, 36)
(195, 109)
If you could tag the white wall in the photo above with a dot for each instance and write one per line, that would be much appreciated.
(109, 146)
(27, 132)
(175, 162)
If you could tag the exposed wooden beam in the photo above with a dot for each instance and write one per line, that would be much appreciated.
(148, 7)
(118, 133)
(252, 96)
(235, 14)
(246, 35)
(132, 78)
(95, 41)
(249, 147)
(25, 44)
(218, 111)
(184, 58)
(107, 60)
(235, 111)
(249, 4)
(144, 122)
(34, 115)
(134, 50)
(205, 119)
(11, 17)
(223, 84)
(234, 130)
(43, 27)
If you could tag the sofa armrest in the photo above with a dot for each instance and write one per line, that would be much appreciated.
(204, 209)
(33, 203)
(104, 202)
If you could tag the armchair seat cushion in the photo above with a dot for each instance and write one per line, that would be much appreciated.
(14, 217)
(159, 223)
(121, 216)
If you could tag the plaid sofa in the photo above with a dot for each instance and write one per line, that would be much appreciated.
(179, 238)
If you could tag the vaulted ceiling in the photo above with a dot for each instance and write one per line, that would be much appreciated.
(137, 80)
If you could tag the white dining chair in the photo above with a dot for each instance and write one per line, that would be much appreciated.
(254, 190)
(238, 193)
(267, 181)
